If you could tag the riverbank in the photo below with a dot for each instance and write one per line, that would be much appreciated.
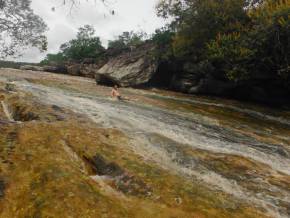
(69, 150)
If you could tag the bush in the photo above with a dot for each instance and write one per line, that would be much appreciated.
(240, 38)
(260, 46)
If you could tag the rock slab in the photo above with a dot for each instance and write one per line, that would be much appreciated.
(132, 68)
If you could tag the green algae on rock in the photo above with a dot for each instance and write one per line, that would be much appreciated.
(71, 152)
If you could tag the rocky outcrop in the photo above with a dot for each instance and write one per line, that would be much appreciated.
(211, 86)
(84, 70)
(74, 69)
(263, 88)
(89, 70)
(55, 68)
(46, 68)
(132, 68)
(31, 67)
(189, 78)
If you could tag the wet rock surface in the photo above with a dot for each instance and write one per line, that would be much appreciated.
(161, 154)
(122, 180)
(100, 166)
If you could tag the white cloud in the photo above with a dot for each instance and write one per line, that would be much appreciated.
(63, 24)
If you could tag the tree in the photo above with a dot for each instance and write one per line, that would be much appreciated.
(117, 45)
(261, 46)
(196, 22)
(127, 39)
(20, 28)
(86, 45)
(53, 59)
(241, 39)
(163, 39)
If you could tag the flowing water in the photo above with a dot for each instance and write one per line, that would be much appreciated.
(183, 131)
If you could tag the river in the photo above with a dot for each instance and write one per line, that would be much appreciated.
(190, 135)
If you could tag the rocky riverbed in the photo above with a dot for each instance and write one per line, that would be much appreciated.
(68, 150)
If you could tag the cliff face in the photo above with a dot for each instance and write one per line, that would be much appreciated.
(132, 68)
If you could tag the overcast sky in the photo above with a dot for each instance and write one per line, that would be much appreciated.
(129, 15)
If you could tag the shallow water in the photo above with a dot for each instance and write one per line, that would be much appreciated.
(192, 136)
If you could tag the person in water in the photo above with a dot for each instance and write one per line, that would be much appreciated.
(115, 93)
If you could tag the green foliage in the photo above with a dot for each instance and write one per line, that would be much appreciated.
(117, 44)
(53, 59)
(199, 21)
(86, 45)
(20, 28)
(163, 38)
(272, 33)
(260, 46)
(240, 38)
(127, 40)
(230, 54)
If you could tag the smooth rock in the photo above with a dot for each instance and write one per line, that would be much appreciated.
(132, 68)
(31, 67)
(74, 69)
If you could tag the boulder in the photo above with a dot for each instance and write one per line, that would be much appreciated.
(200, 79)
(212, 86)
(55, 68)
(84, 70)
(132, 68)
(88, 70)
(106, 80)
(31, 67)
(74, 69)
